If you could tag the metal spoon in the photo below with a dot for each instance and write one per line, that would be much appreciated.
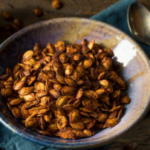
(139, 22)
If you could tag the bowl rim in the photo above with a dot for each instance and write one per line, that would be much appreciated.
(75, 145)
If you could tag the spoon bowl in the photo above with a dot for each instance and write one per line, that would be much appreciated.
(139, 22)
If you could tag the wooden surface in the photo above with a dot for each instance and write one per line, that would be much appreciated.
(23, 9)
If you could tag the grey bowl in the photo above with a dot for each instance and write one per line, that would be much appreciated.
(134, 67)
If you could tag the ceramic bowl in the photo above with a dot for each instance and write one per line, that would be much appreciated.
(134, 67)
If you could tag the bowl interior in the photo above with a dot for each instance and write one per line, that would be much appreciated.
(132, 64)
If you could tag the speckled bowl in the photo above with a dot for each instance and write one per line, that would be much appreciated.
(134, 68)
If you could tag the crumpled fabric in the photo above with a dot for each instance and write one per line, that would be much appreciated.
(115, 15)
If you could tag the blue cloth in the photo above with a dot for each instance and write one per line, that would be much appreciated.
(115, 15)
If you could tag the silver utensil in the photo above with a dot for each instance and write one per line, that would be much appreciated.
(139, 22)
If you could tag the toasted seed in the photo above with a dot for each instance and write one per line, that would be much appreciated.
(102, 117)
(90, 104)
(121, 82)
(75, 75)
(93, 73)
(68, 90)
(59, 112)
(101, 75)
(60, 46)
(62, 122)
(94, 114)
(105, 99)
(45, 132)
(16, 112)
(16, 69)
(110, 122)
(76, 104)
(41, 94)
(90, 94)
(106, 63)
(84, 42)
(71, 101)
(70, 82)
(85, 49)
(31, 80)
(39, 86)
(60, 78)
(84, 114)
(91, 124)
(125, 100)
(85, 109)
(69, 69)
(100, 91)
(7, 92)
(91, 44)
(69, 48)
(52, 106)
(80, 82)
(61, 101)
(77, 57)
(18, 85)
(54, 93)
(31, 104)
(45, 100)
(32, 122)
(80, 70)
(15, 101)
(78, 133)
(87, 63)
(109, 89)
(25, 113)
(86, 120)
(30, 62)
(116, 94)
(88, 132)
(5, 76)
(77, 126)
(57, 86)
(25, 90)
(67, 134)
(52, 127)
(9, 106)
(42, 123)
(74, 116)
(50, 48)
(68, 108)
(104, 83)
(119, 113)
(109, 52)
(79, 93)
(27, 55)
(29, 97)
(38, 11)
(63, 58)
(37, 65)
(47, 119)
